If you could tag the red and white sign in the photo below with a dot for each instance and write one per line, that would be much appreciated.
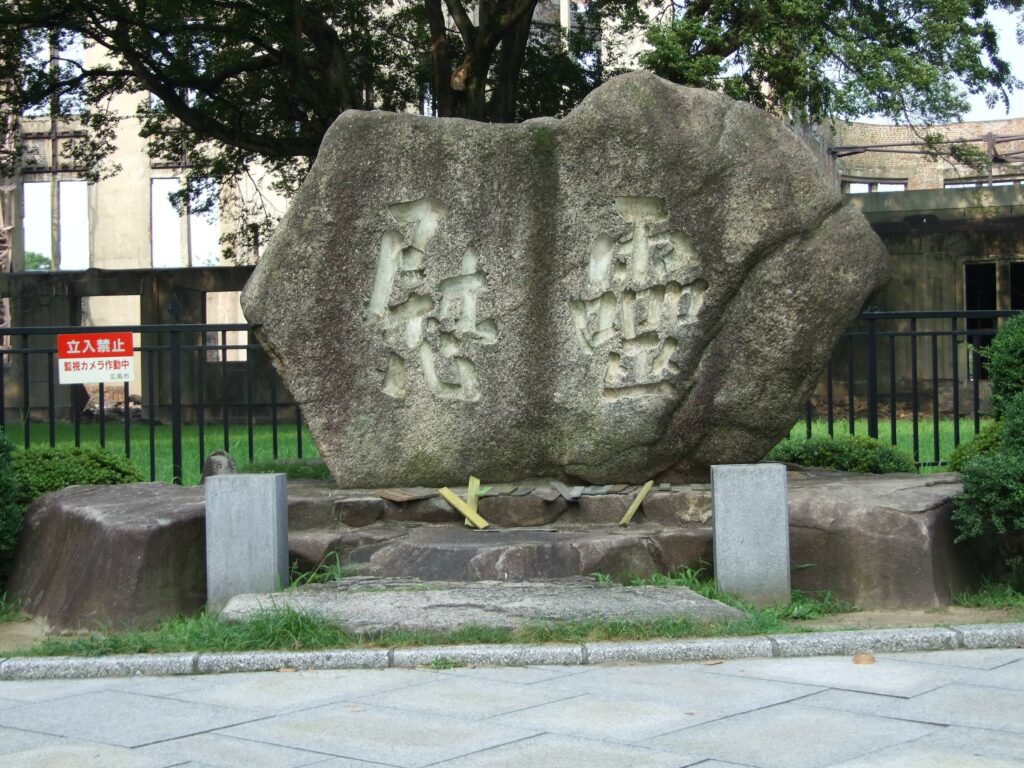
(95, 358)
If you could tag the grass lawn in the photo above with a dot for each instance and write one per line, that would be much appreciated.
(263, 452)
(192, 457)
(904, 435)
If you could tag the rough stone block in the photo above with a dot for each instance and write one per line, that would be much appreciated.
(432, 510)
(606, 509)
(520, 511)
(362, 510)
(877, 541)
(605, 314)
(246, 536)
(119, 556)
(691, 505)
(751, 532)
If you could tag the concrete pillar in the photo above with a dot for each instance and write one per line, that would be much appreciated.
(246, 536)
(751, 532)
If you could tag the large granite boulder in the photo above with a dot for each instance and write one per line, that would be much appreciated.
(112, 557)
(646, 287)
(877, 541)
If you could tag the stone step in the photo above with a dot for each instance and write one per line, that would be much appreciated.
(457, 553)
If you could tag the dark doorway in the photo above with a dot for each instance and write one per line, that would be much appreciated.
(980, 294)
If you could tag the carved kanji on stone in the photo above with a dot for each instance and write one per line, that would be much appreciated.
(641, 294)
(418, 329)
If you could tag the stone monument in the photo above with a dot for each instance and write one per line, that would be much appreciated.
(646, 287)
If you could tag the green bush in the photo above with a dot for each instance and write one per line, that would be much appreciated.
(11, 512)
(1005, 363)
(843, 453)
(985, 442)
(41, 470)
(990, 512)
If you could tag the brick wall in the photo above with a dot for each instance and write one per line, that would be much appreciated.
(919, 171)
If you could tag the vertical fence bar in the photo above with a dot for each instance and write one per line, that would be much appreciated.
(151, 405)
(850, 406)
(201, 398)
(892, 389)
(224, 387)
(249, 402)
(273, 413)
(9, 356)
(298, 431)
(872, 379)
(51, 398)
(954, 345)
(176, 455)
(103, 418)
(26, 393)
(808, 416)
(975, 393)
(127, 420)
(913, 385)
(76, 417)
(830, 400)
(936, 448)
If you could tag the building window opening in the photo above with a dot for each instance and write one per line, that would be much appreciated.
(165, 224)
(224, 307)
(980, 293)
(865, 186)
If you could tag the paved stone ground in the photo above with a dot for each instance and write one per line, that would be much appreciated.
(940, 708)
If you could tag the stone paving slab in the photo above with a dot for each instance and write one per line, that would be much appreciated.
(726, 714)
(370, 604)
(791, 737)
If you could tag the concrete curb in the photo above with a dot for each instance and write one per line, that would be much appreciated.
(975, 636)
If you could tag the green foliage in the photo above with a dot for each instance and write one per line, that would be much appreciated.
(300, 469)
(844, 453)
(10, 610)
(815, 59)
(41, 470)
(36, 262)
(993, 594)
(328, 571)
(244, 85)
(990, 512)
(11, 511)
(802, 606)
(1005, 363)
(985, 442)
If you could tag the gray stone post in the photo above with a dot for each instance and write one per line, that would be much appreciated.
(751, 532)
(246, 536)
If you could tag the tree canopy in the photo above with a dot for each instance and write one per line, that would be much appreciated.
(238, 84)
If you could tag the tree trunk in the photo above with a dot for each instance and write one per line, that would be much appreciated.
(510, 65)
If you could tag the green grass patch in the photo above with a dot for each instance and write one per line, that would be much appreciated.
(10, 610)
(295, 469)
(994, 595)
(904, 435)
(138, 446)
(287, 629)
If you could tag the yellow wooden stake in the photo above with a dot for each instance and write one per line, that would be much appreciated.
(463, 508)
(636, 503)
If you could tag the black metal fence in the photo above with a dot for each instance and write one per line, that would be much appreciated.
(200, 388)
(909, 378)
(917, 371)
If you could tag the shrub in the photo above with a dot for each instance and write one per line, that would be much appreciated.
(985, 442)
(1005, 363)
(844, 453)
(11, 512)
(990, 512)
(41, 470)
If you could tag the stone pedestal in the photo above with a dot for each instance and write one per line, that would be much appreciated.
(751, 532)
(246, 536)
